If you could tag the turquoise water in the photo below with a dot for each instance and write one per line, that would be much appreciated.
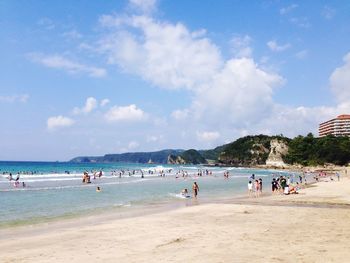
(56, 189)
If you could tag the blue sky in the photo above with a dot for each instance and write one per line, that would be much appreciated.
(96, 77)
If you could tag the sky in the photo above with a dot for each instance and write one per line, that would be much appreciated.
(87, 78)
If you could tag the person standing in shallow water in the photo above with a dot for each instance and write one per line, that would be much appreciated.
(195, 189)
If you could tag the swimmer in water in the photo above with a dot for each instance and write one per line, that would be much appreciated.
(184, 193)
(98, 189)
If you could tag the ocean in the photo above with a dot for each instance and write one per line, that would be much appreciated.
(55, 189)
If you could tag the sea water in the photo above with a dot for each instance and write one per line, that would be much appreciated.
(56, 190)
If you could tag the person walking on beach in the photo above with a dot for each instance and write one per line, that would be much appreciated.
(195, 189)
(338, 175)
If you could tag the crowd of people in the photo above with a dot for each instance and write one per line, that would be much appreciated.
(279, 185)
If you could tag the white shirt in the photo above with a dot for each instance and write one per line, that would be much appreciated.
(250, 186)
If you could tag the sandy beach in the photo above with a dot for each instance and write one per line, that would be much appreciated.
(312, 226)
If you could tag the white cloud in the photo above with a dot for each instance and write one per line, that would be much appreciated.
(125, 113)
(208, 136)
(241, 46)
(144, 5)
(302, 54)
(104, 102)
(302, 22)
(328, 12)
(15, 98)
(167, 55)
(133, 145)
(340, 81)
(154, 138)
(72, 34)
(60, 121)
(60, 62)
(241, 92)
(46, 23)
(90, 105)
(274, 46)
(288, 9)
(233, 95)
(180, 114)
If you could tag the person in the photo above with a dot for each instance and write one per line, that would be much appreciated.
(286, 190)
(293, 190)
(195, 189)
(257, 188)
(260, 185)
(250, 188)
(184, 193)
(252, 177)
(338, 175)
(274, 186)
(98, 189)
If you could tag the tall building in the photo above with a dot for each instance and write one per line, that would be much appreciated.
(339, 126)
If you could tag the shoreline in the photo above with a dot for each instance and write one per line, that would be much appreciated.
(137, 209)
(208, 232)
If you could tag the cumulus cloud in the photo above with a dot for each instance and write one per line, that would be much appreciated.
(208, 136)
(234, 95)
(340, 81)
(171, 56)
(60, 62)
(60, 121)
(14, 98)
(90, 105)
(168, 55)
(125, 113)
(274, 46)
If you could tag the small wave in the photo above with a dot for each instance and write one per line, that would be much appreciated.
(29, 188)
(179, 196)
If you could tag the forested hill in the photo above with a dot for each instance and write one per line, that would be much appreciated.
(160, 157)
(247, 151)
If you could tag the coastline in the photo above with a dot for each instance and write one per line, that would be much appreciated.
(312, 226)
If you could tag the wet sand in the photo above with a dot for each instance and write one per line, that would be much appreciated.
(312, 226)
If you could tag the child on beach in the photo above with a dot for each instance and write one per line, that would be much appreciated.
(250, 188)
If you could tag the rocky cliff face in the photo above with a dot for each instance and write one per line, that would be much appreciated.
(172, 159)
(278, 149)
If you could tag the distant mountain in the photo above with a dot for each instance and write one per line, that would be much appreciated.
(160, 157)
(247, 151)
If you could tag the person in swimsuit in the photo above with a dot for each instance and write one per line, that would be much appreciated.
(195, 189)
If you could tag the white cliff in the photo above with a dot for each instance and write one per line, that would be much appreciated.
(278, 150)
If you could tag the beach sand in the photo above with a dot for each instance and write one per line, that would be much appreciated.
(310, 227)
